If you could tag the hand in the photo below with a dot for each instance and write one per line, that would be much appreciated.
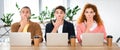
(88, 25)
(56, 24)
(23, 23)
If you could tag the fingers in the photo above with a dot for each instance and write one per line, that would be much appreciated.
(85, 22)
(53, 22)
(56, 23)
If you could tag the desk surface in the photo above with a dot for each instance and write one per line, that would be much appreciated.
(44, 47)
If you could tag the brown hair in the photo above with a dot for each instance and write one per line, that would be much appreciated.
(96, 17)
(27, 8)
(60, 7)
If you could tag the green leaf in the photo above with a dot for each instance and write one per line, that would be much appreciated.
(76, 7)
(7, 18)
(39, 18)
(47, 18)
(34, 18)
(17, 6)
(33, 15)
(3, 15)
(52, 14)
(69, 13)
(3, 19)
(11, 15)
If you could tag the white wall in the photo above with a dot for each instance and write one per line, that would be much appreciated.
(109, 11)
(53, 3)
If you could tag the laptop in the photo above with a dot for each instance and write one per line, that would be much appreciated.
(92, 39)
(57, 39)
(20, 39)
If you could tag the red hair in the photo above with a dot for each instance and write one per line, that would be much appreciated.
(96, 17)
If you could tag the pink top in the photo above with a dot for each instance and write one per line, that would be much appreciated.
(81, 29)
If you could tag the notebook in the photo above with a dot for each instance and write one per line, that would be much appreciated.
(20, 39)
(57, 39)
(92, 39)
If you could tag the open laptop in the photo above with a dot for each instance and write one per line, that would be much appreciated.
(57, 39)
(92, 39)
(20, 39)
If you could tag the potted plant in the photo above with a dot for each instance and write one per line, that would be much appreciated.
(71, 12)
(44, 15)
(7, 19)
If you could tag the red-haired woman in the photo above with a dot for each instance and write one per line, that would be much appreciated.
(89, 22)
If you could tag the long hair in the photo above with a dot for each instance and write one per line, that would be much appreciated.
(96, 17)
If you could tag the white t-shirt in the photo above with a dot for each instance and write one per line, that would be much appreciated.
(60, 29)
(94, 25)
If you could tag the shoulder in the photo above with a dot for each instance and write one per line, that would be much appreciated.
(34, 23)
(80, 24)
(101, 26)
(49, 24)
(67, 23)
(16, 24)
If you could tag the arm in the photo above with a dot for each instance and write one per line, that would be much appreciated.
(15, 27)
(71, 30)
(20, 29)
(103, 30)
(56, 25)
(54, 30)
(23, 23)
(38, 31)
(79, 32)
(48, 29)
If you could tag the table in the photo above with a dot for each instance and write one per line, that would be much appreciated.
(44, 47)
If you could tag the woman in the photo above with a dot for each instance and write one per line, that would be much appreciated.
(89, 22)
(60, 25)
(25, 25)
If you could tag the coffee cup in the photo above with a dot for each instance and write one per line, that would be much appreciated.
(73, 41)
(36, 41)
(109, 40)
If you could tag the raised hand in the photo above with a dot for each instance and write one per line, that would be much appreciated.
(56, 24)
